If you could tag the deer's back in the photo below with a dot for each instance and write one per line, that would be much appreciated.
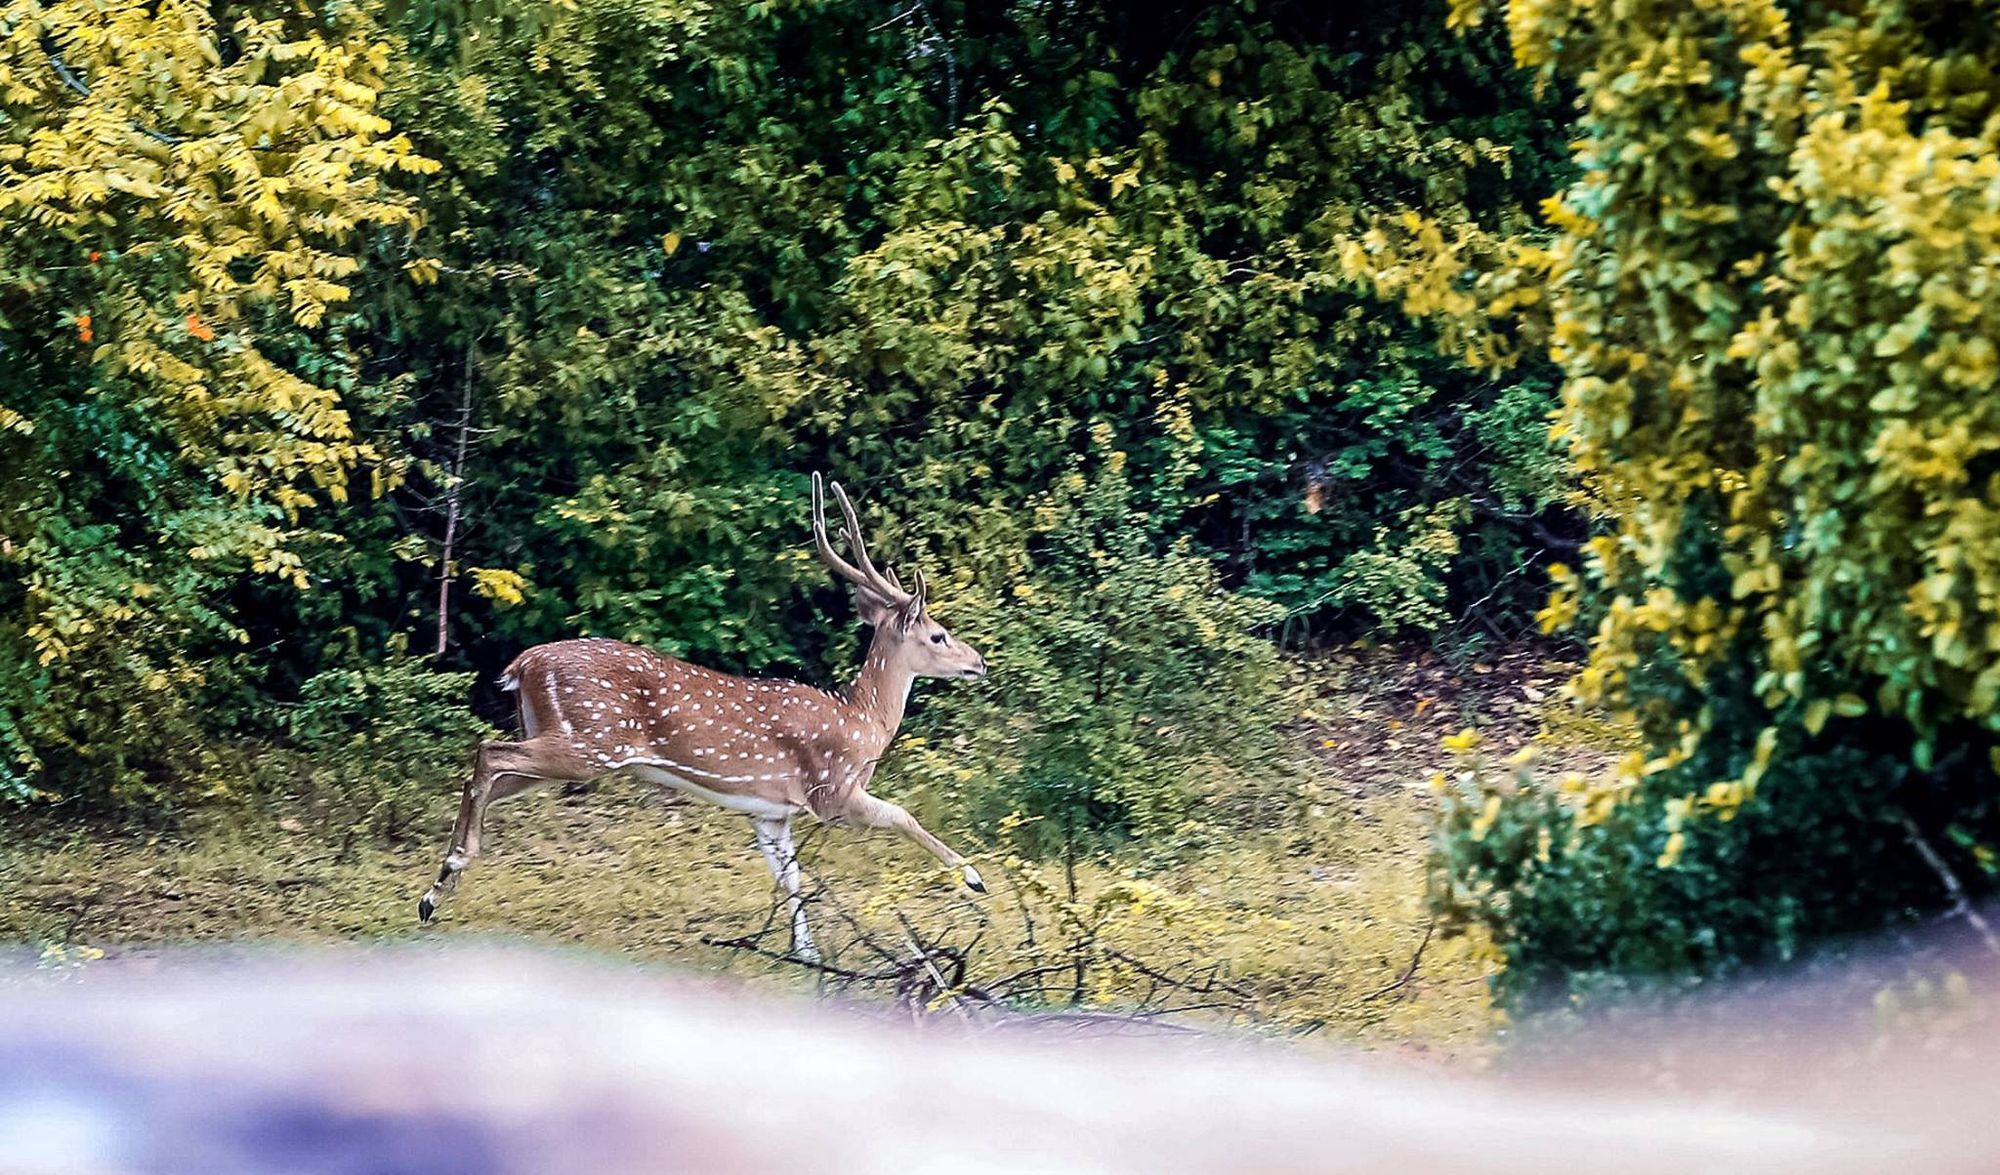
(621, 703)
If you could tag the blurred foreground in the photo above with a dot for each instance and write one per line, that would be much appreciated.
(481, 1059)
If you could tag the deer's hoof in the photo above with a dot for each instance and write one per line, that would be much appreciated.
(425, 908)
(973, 881)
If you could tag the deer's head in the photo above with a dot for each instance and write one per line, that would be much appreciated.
(905, 631)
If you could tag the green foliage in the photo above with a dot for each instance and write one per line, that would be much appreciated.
(1767, 291)
(378, 742)
(591, 287)
(1126, 683)
(1588, 886)
(927, 278)
(1327, 500)
(1399, 578)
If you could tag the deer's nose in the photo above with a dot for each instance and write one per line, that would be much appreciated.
(977, 671)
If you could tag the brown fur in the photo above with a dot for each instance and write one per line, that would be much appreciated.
(771, 749)
(793, 744)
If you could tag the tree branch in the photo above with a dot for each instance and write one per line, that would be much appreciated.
(1961, 904)
(454, 495)
(950, 61)
(69, 78)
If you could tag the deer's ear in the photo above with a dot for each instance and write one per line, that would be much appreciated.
(908, 614)
(873, 609)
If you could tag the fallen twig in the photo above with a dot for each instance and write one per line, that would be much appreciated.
(1410, 971)
(1147, 1021)
(748, 942)
(927, 972)
(1961, 904)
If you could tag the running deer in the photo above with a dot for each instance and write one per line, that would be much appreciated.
(771, 750)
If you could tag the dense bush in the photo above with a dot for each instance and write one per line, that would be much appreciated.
(1770, 293)
(1587, 884)
(376, 744)
(176, 224)
(1126, 684)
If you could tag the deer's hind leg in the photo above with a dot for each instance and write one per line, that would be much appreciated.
(499, 770)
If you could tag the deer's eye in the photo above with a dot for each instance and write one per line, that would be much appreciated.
(937, 638)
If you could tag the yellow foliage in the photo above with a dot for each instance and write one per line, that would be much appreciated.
(499, 584)
(128, 134)
(1770, 292)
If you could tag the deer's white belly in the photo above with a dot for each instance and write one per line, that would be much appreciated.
(749, 805)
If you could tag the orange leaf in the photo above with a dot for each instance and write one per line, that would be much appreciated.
(83, 327)
(199, 330)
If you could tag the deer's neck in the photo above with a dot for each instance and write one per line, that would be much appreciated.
(882, 689)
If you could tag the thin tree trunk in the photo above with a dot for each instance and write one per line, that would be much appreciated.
(1069, 877)
(454, 496)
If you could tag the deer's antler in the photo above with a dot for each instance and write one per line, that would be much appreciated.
(885, 589)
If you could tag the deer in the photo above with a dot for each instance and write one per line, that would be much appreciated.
(773, 750)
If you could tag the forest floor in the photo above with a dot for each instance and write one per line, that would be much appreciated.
(1313, 925)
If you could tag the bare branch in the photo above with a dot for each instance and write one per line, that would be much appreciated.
(900, 17)
(1961, 904)
(454, 497)
(950, 62)
(924, 972)
(1410, 971)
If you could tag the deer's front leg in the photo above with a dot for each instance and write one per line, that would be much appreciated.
(774, 840)
(870, 812)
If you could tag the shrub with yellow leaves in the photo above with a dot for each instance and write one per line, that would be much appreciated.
(1770, 290)
(185, 192)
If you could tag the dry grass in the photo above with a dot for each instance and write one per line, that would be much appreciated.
(1315, 921)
